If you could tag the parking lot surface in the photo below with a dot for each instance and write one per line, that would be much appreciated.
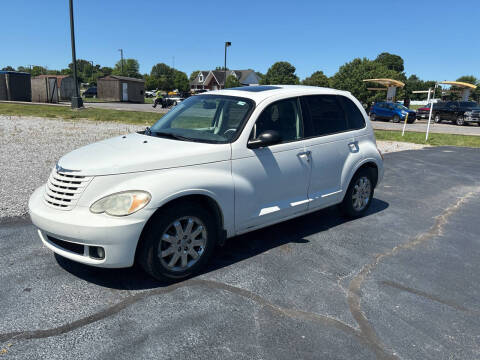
(400, 283)
(421, 126)
(126, 106)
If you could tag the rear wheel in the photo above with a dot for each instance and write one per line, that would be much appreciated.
(373, 117)
(396, 118)
(178, 242)
(359, 194)
(437, 119)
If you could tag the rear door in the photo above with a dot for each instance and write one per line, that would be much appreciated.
(331, 123)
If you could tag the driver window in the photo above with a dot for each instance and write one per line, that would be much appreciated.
(283, 117)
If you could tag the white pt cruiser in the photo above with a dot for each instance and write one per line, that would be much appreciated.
(219, 164)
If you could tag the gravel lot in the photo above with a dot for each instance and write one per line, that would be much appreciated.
(30, 147)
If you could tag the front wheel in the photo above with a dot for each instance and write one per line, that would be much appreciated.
(373, 117)
(396, 118)
(460, 121)
(359, 194)
(178, 242)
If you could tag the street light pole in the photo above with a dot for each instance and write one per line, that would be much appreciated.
(227, 44)
(76, 100)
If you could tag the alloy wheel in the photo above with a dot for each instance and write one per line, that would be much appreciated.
(183, 243)
(362, 191)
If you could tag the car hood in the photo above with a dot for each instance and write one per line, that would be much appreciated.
(138, 152)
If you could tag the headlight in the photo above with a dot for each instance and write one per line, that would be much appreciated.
(122, 203)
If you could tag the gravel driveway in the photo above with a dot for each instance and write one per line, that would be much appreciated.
(30, 147)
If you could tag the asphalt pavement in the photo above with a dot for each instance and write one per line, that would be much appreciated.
(399, 283)
(126, 106)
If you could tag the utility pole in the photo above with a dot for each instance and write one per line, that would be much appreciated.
(227, 44)
(121, 57)
(76, 100)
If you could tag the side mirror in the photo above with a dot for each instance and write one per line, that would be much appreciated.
(267, 138)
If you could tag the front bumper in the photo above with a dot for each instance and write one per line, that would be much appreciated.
(118, 236)
(472, 119)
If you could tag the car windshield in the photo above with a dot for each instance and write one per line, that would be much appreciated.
(205, 118)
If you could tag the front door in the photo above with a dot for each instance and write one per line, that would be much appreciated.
(124, 92)
(271, 183)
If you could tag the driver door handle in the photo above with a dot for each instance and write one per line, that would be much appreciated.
(305, 155)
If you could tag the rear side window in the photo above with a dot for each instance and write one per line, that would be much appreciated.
(355, 118)
(325, 115)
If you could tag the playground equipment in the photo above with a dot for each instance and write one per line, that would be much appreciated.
(466, 88)
(391, 86)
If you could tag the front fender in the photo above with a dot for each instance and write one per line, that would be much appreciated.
(213, 180)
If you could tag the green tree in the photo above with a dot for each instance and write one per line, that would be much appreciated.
(350, 77)
(318, 78)
(194, 74)
(231, 82)
(181, 81)
(8, 68)
(474, 94)
(281, 73)
(151, 83)
(131, 68)
(106, 70)
(391, 61)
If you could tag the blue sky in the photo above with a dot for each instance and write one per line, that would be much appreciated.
(439, 40)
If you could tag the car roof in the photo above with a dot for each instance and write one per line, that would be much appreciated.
(262, 92)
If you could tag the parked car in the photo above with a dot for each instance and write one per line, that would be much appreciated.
(457, 112)
(391, 111)
(217, 165)
(423, 112)
(150, 93)
(90, 92)
(175, 98)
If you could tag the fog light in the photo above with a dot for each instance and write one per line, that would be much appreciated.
(97, 252)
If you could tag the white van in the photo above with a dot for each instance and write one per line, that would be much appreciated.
(217, 165)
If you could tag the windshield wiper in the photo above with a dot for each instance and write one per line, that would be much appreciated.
(168, 135)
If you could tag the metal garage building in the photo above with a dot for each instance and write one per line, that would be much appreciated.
(121, 88)
(15, 86)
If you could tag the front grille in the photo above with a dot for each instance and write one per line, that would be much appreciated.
(63, 190)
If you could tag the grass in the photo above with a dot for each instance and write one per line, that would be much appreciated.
(433, 139)
(65, 112)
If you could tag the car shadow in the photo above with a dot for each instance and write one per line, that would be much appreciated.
(235, 250)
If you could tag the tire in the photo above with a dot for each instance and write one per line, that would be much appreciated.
(174, 103)
(373, 117)
(161, 234)
(437, 119)
(460, 121)
(396, 119)
(350, 205)
(411, 121)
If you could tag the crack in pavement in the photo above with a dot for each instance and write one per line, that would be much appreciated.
(130, 300)
(354, 289)
(428, 296)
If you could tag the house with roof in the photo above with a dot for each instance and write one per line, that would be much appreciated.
(215, 79)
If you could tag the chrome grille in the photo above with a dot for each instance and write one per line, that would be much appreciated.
(63, 190)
